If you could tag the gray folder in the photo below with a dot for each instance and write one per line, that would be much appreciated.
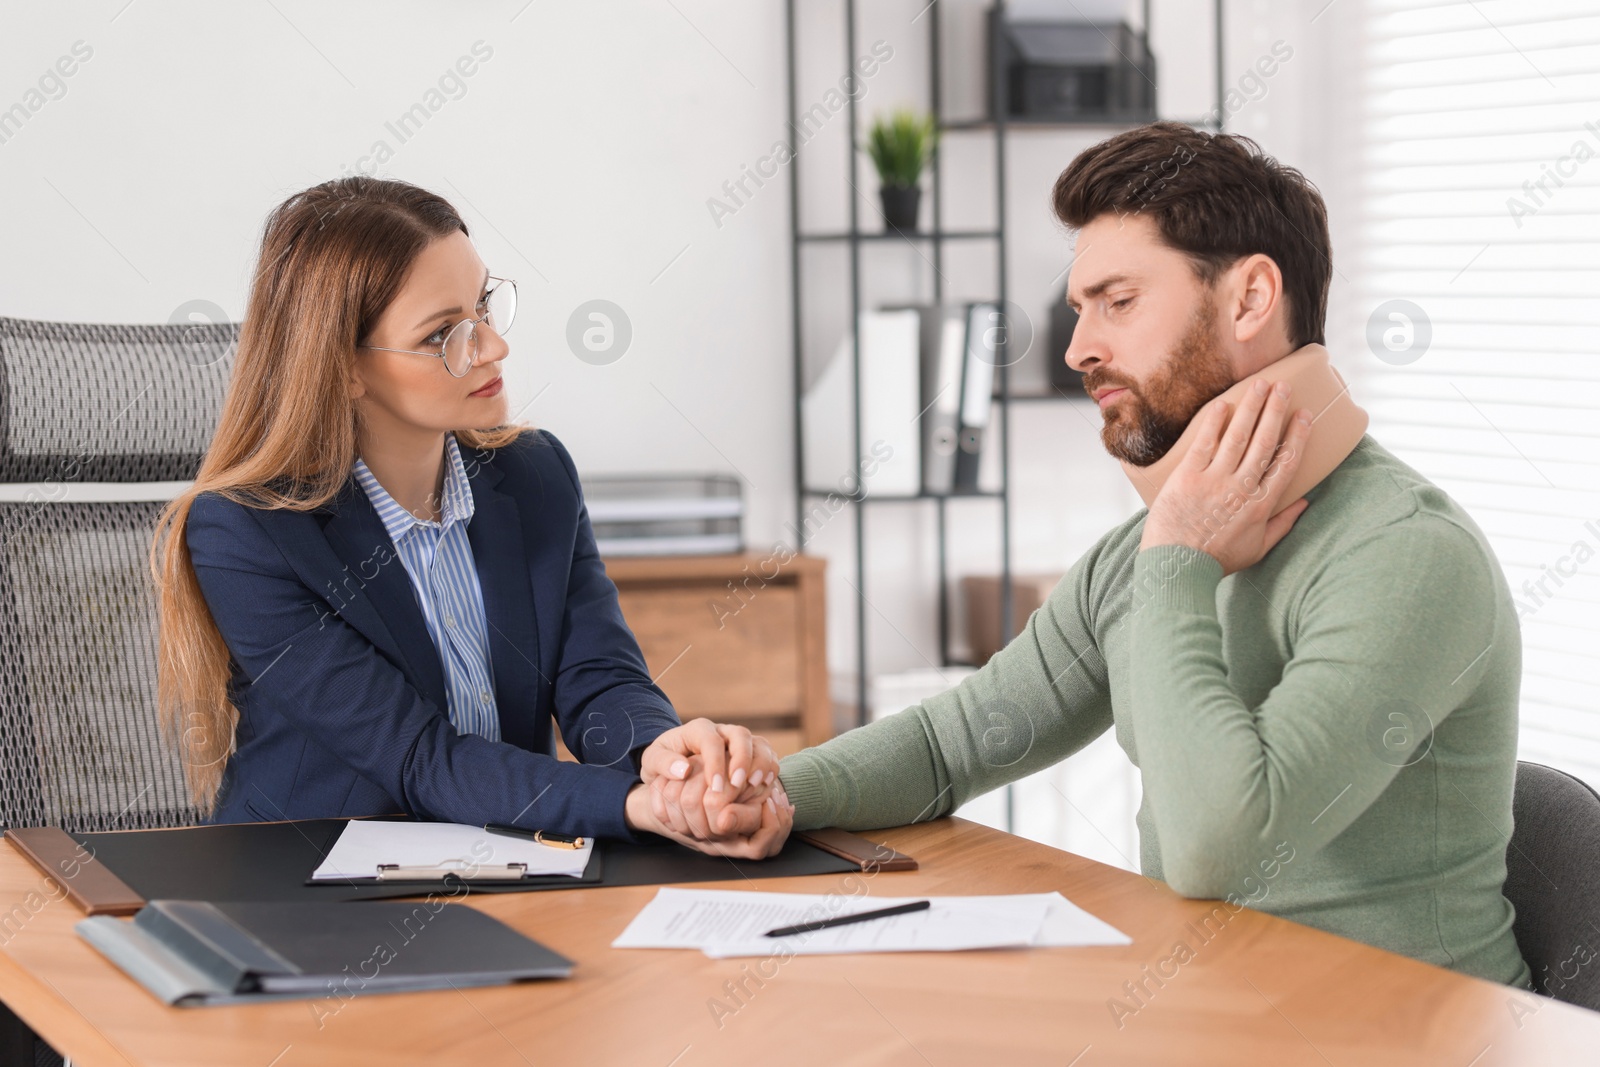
(944, 335)
(192, 952)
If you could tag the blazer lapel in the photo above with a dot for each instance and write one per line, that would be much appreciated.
(373, 571)
(498, 552)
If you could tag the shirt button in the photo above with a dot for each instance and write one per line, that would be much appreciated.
(450, 621)
(484, 693)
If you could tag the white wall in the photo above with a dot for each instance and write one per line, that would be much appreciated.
(581, 152)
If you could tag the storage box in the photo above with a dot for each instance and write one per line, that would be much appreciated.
(665, 515)
(982, 594)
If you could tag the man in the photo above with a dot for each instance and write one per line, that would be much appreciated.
(1319, 685)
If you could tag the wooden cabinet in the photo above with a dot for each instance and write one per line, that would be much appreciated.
(735, 638)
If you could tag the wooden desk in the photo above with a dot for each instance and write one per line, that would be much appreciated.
(1262, 991)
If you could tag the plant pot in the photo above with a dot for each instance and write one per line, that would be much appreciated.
(900, 206)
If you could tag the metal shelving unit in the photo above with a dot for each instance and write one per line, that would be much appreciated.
(933, 240)
(996, 127)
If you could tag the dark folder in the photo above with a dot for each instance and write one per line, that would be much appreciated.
(274, 861)
(190, 952)
(984, 330)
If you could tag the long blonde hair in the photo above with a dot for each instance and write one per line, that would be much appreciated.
(332, 258)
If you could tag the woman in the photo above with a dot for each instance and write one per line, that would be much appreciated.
(380, 597)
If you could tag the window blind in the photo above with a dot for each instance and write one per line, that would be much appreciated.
(1475, 262)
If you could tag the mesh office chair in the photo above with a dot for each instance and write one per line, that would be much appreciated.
(99, 426)
(132, 409)
(1553, 880)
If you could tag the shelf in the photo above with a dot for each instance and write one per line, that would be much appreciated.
(980, 494)
(1054, 394)
(986, 124)
(899, 235)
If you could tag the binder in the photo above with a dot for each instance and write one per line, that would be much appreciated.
(944, 337)
(977, 391)
(192, 952)
(890, 460)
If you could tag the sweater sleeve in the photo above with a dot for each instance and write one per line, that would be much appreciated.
(1386, 641)
(1038, 700)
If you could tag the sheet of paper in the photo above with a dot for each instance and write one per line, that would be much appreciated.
(364, 843)
(1068, 926)
(732, 923)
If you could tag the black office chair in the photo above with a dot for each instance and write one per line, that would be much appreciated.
(1553, 880)
(98, 426)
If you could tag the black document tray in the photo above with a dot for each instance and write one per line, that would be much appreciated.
(274, 861)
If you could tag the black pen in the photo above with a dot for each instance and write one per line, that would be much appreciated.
(823, 924)
(508, 831)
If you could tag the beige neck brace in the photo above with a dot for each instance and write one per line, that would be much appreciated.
(1336, 428)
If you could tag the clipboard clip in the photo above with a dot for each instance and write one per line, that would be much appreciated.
(394, 872)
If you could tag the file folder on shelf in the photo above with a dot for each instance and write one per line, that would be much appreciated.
(890, 459)
(977, 392)
(944, 337)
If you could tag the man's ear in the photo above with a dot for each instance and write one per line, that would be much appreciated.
(1255, 296)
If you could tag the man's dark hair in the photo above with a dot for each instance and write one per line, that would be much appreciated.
(1216, 197)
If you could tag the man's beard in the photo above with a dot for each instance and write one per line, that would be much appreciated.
(1143, 426)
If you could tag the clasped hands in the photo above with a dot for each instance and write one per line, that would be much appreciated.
(713, 787)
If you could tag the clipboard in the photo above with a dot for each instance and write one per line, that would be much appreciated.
(511, 875)
(368, 851)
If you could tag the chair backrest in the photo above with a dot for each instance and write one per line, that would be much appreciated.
(99, 426)
(1553, 880)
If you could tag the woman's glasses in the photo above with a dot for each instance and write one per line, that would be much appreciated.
(459, 347)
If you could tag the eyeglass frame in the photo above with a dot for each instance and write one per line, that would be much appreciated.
(472, 333)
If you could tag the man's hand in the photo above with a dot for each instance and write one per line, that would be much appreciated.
(1222, 497)
(774, 817)
(719, 773)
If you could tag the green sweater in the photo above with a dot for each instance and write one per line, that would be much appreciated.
(1329, 736)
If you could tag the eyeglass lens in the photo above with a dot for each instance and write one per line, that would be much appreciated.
(461, 343)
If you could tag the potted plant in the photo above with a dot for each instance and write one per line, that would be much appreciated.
(900, 146)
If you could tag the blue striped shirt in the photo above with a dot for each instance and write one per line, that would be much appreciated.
(438, 559)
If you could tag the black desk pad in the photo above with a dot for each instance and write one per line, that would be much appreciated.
(273, 861)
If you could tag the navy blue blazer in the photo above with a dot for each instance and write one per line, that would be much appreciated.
(341, 696)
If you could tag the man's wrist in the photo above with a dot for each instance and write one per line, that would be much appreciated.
(1156, 535)
(1177, 576)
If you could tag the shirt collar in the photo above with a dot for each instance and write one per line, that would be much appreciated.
(458, 504)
